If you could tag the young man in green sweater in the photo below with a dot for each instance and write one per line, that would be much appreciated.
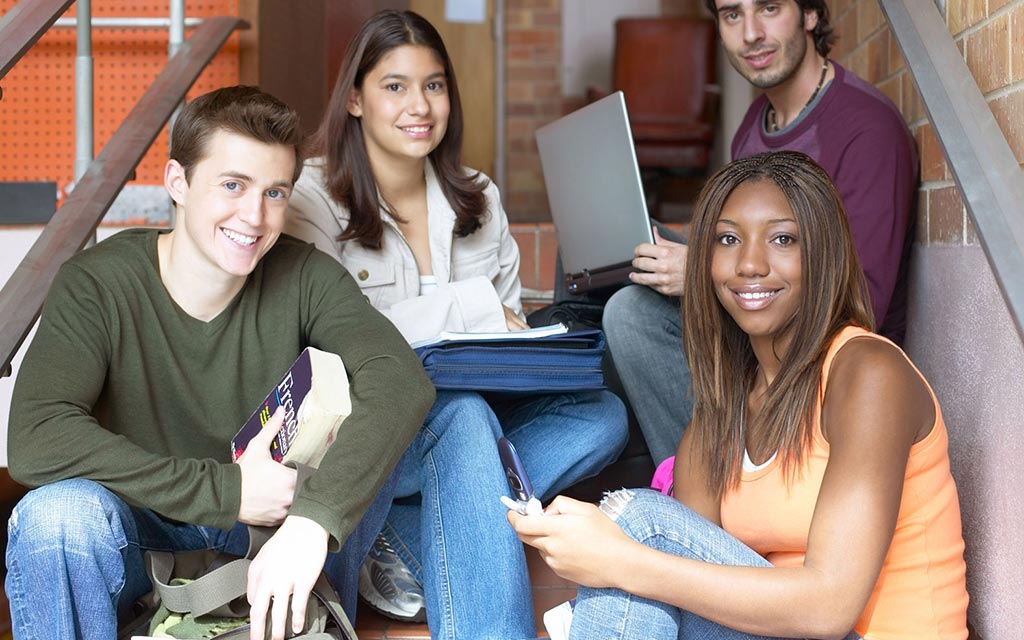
(153, 349)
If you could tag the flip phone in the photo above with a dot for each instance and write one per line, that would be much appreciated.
(525, 501)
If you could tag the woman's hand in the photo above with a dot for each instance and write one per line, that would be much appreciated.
(577, 540)
(512, 320)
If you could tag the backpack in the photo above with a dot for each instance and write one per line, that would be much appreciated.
(200, 595)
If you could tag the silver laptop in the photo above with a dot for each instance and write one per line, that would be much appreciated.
(594, 189)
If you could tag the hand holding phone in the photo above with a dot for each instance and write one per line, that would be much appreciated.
(525, 502)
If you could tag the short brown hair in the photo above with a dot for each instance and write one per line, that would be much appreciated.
(823, 34)
(247, 111)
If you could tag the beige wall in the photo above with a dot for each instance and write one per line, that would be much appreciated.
(960, 333)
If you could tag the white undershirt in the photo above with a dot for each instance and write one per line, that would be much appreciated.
(427, 284)
(749, 466)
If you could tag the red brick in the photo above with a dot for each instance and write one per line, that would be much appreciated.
(518, 18)
(518, 53)
(896, 60)
(525, 236)
(848, 37)
(858, 61)
(525, 162)
(1017, 35)
(548, 90)
(956, 16)
(988, 54)
(532, 37)
(548, 250)
(913, 108)
(1009, 113)
(525, 179)
(961, 14)
(547, 18)
(945, 216)
(878, 57)
(933, 162)
(521, 109)
(548, 55)
(869, 17)
(532, 74)
(893, 89)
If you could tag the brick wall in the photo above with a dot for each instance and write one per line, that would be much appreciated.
(533, 37)
(984, 31)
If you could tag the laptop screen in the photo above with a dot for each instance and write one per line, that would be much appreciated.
(593, 185)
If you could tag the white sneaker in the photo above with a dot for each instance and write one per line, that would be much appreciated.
(389, 587)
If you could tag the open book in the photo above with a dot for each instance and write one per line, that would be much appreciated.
(522, 334)
(315, 397)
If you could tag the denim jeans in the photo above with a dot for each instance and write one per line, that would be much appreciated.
(645, 337)
(663, 523)
(449, 525)
(75, 557)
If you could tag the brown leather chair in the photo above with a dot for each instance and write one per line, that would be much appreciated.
(666, 68)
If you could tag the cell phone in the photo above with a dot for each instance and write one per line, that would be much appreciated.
(525, 501)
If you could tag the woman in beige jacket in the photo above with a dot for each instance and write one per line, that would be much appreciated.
(429, 244)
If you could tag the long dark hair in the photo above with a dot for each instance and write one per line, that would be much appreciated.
(834, 295)
(349, 176)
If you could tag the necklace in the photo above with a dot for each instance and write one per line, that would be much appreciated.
(772, 125)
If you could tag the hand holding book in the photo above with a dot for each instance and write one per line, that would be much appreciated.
(268, 487)
(314, 397)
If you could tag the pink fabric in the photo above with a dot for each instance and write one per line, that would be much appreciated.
(662, 480)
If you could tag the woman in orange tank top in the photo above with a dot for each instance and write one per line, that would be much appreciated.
(813, 497)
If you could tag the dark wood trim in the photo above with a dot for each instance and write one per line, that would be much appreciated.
(23, 25)
(73, 224)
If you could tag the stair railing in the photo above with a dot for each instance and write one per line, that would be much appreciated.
(979, 157)
(74, 224)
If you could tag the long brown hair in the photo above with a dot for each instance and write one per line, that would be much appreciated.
(349, 175)
(722, 362)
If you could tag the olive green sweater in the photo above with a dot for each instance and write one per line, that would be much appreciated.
(122, 387)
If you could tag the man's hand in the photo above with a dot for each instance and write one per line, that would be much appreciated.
(267, 486)
(512, 321)
(577, 540)
(287, 565)
(662, 265)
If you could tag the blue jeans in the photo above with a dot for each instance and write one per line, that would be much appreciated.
(450, 526)
(645, 337)
(665, 524)
(75, 557)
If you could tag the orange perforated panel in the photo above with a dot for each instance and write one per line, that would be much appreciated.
(37, 139)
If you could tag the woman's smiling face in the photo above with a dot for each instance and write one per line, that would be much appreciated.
(403, 103)
(756, 266)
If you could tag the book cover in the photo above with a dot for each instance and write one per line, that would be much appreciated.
(314, 394)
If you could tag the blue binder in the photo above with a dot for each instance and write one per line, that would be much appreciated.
(564, 362)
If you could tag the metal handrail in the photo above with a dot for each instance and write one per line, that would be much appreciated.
(23, 25)
(21, 299)
(983, 165)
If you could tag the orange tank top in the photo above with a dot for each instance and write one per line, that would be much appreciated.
(921, 592)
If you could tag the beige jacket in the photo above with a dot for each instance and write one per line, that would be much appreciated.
(475, 274)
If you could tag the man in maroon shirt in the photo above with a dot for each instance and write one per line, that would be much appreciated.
(809, 104)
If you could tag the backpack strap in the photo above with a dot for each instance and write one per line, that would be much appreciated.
(218, 592)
